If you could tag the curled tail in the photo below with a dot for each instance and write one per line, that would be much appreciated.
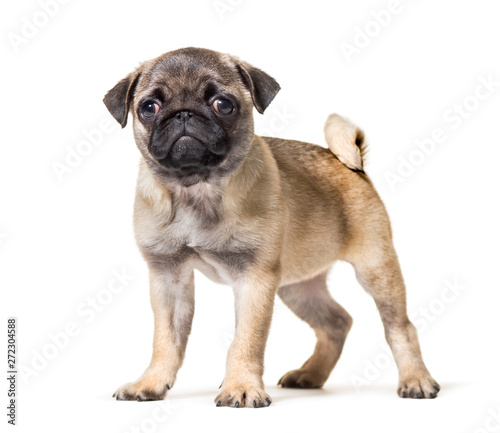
(346, 141)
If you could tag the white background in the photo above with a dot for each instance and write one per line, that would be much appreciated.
(61, 239)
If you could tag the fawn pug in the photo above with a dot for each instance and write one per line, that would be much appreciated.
(264, 215)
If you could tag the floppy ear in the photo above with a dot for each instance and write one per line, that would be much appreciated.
(262, 87)
(118, 99)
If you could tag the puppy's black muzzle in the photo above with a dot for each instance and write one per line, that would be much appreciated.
(188, 143)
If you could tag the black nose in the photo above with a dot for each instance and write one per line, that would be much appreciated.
(184, 116)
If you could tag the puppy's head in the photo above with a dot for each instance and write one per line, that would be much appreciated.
(192, 112)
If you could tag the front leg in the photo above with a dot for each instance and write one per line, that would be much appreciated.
(254, 299)
(172, 299)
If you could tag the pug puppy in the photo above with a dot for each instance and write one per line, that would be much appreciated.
(264, 215)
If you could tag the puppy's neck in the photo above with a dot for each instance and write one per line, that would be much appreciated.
(203, 200)
(240, 184)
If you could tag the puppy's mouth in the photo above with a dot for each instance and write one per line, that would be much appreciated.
(188, 157)
(186, 150)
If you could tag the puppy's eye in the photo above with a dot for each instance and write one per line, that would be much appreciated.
(149, 110)
(223, 106)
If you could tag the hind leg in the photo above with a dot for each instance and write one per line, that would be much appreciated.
(379, 273)
(311, 301)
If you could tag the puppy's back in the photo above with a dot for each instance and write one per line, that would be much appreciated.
(329, 201)
(312, 163)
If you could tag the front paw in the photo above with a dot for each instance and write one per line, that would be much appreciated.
(418, 386)
(242, 396)
(144, 389)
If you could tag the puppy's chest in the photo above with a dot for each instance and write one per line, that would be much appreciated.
(218, 248)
